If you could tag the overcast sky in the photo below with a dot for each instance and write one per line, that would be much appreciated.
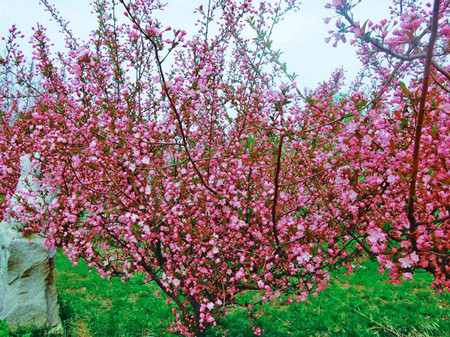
(300, 36)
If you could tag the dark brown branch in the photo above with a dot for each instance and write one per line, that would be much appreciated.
(169, 97)
(275, 195)
(377, 44)
(150, 271)
(435, 221)
(441, 69)
(436, 80)
(420, 118)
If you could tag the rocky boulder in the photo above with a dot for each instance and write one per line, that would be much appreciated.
(27, 290)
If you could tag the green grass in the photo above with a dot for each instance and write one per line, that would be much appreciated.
(92, 306)
(363, 304)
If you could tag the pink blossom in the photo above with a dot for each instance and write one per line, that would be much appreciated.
(336, 3)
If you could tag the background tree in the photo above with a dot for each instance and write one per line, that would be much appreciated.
(16, 83)
(198, 162)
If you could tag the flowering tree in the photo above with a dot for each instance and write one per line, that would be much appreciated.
(199, 163)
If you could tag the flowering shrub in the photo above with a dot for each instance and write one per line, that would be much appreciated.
(198, 162)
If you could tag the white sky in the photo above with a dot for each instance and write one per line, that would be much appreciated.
(300, 36)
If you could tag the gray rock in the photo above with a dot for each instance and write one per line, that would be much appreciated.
(27, 289)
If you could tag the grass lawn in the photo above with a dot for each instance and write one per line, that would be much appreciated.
(362, 304)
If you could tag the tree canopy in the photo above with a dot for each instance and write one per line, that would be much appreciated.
(196, 160)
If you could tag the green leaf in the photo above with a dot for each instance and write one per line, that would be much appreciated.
(404, 88)
(278, 106)
(251, 141)
(309, 100)
(83, 216)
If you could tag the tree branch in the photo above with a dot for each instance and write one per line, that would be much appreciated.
(441, 69)
(275, 195)
(169, 97)
(420, 118)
